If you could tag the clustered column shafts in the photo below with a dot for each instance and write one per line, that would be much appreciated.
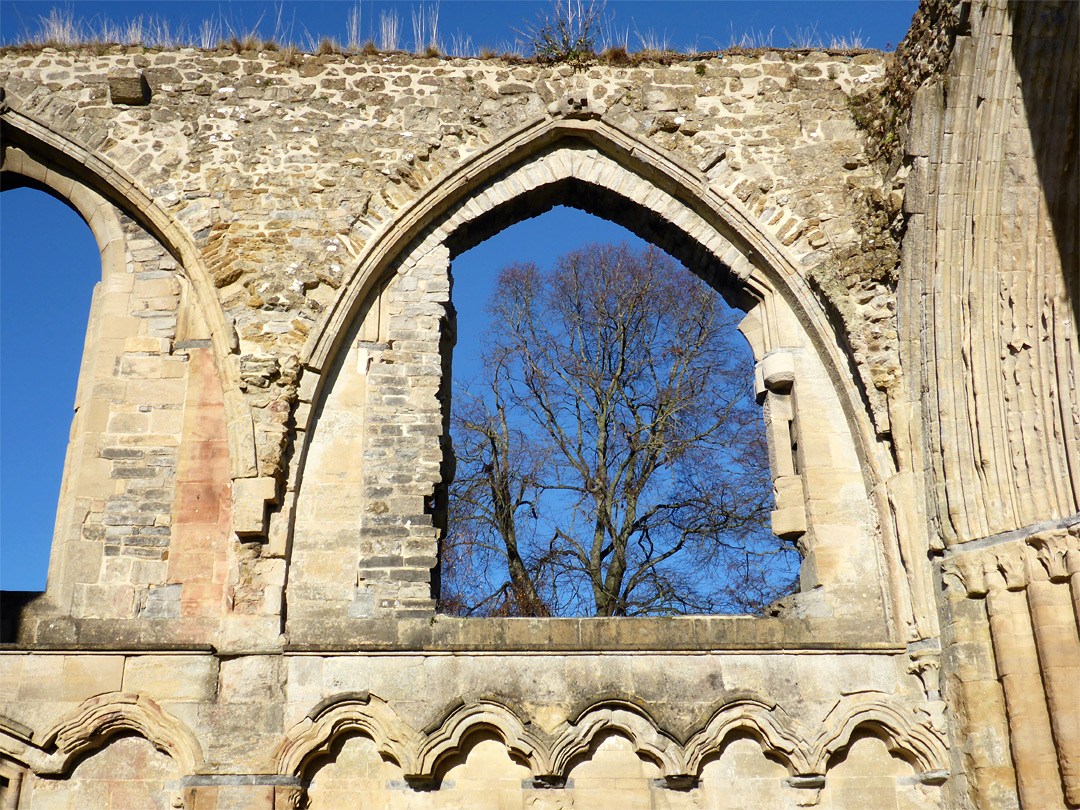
(1055, 623)
(1029, 721)
(1035, 629)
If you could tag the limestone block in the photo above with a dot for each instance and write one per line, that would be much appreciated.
(788, 523)
(128, 86)
(40, 680)
(89, 675)
(778, 370)
(250, 498)
(146, 345)
(11, 667)
(788, 491)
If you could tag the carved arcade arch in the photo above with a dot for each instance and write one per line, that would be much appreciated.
(360, 713)
(550, 756)
(451, 737)
(623, 718)
(908, 733)
(765, 722)
(100, 718)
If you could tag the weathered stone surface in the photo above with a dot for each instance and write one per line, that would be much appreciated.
(240, 608)
(128, 86)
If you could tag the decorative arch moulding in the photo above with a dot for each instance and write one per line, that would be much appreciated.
(93, 724)
(911, 734)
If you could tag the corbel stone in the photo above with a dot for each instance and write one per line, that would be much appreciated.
(807, 788)
(778, 371)
(789, 523)
(250, 499)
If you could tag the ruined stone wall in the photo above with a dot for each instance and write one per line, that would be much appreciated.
(285, 176)
(987, 311)
(240, 608)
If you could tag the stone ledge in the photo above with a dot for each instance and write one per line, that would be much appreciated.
(488, 635)
(675, 634)
(51, 632)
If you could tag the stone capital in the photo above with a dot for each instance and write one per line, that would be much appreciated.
(1051, 550)
(926, 664)
(968, 571)
(1009, 560)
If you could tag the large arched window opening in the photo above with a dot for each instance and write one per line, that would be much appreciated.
(51, 264)
(664, 394)
(120, 544)
(362, 514)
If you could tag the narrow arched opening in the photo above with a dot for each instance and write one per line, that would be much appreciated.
(51, 264)
(120, 543)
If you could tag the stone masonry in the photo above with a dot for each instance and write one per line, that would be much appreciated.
(242, 598)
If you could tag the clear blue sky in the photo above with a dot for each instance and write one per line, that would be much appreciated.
(49, 261)
(701, 24)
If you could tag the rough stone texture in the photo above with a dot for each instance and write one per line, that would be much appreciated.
(241, 602)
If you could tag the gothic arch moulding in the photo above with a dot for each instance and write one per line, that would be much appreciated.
(89, 182)
(345, 714)
(765, 722)
(911, 734)
(100, 718)
(592, 165)
(623, 718)
(451, 736)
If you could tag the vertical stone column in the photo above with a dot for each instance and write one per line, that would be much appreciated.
(1072, 566)
(1054, 622)
(971, 687)
(1018, 667)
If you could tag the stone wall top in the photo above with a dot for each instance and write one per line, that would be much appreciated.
(282, 167)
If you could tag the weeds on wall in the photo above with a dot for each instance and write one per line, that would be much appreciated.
(425, 25)
(389, 30)
(575, 32)
(567, 32)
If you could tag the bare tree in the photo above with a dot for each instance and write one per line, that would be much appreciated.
(612, 458)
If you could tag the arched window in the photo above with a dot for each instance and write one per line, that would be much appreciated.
(364, 511)
(50, 264)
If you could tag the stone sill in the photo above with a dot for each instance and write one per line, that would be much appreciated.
(446, 634)
(668, 634)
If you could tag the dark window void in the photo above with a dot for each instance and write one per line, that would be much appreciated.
(49, 263)
(568, 502)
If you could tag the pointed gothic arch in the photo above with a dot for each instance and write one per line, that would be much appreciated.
(591, 164)
(96, 187)
(117, 211)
